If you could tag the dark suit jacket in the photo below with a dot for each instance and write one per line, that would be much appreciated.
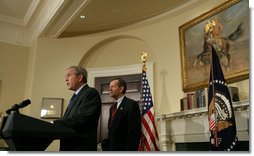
(83, 117)
(125, 131)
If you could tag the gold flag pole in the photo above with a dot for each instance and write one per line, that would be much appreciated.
(143, 60)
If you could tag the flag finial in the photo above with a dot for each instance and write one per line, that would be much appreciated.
(143, 59)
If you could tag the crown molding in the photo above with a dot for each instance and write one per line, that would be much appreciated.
(63, 19)
(18, 21)
(25, 35)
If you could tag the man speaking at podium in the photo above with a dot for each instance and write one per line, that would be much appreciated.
(82, 113)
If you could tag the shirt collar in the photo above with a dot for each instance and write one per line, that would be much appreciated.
(77, 91)
(119, 101)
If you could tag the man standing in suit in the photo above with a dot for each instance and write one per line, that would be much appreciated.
(124, 124)
(82, 113)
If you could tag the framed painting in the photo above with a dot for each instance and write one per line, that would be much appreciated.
(52, 108)
(228, 25)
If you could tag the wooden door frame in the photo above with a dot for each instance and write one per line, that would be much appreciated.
(120, 70)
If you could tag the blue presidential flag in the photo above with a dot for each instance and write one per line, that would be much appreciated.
(220, 110)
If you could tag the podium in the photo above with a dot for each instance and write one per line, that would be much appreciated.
(24, 133)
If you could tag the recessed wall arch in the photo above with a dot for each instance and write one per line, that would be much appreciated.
(134, 66)
(111, 67)
(115, 51)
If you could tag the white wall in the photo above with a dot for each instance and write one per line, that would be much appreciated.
(13, 68)
(48, 59)
(159, 37)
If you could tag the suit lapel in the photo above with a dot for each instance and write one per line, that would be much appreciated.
(74, 103)
(121, 106)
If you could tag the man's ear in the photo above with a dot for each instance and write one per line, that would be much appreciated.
(80, 78)
(122, 89)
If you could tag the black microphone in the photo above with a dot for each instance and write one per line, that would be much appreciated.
(16, 107)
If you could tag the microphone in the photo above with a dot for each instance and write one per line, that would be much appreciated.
(16, 107)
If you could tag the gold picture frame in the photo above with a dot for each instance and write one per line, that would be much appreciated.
(234, 18)
(52, 108)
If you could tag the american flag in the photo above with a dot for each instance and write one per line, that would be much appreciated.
(149, 138)
(220, 110)
(212, 122)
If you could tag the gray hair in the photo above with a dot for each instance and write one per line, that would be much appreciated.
(80, 71)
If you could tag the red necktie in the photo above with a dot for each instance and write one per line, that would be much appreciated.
(113, 112)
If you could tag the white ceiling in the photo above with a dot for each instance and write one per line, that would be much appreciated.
(22, 21)
(17, 12)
